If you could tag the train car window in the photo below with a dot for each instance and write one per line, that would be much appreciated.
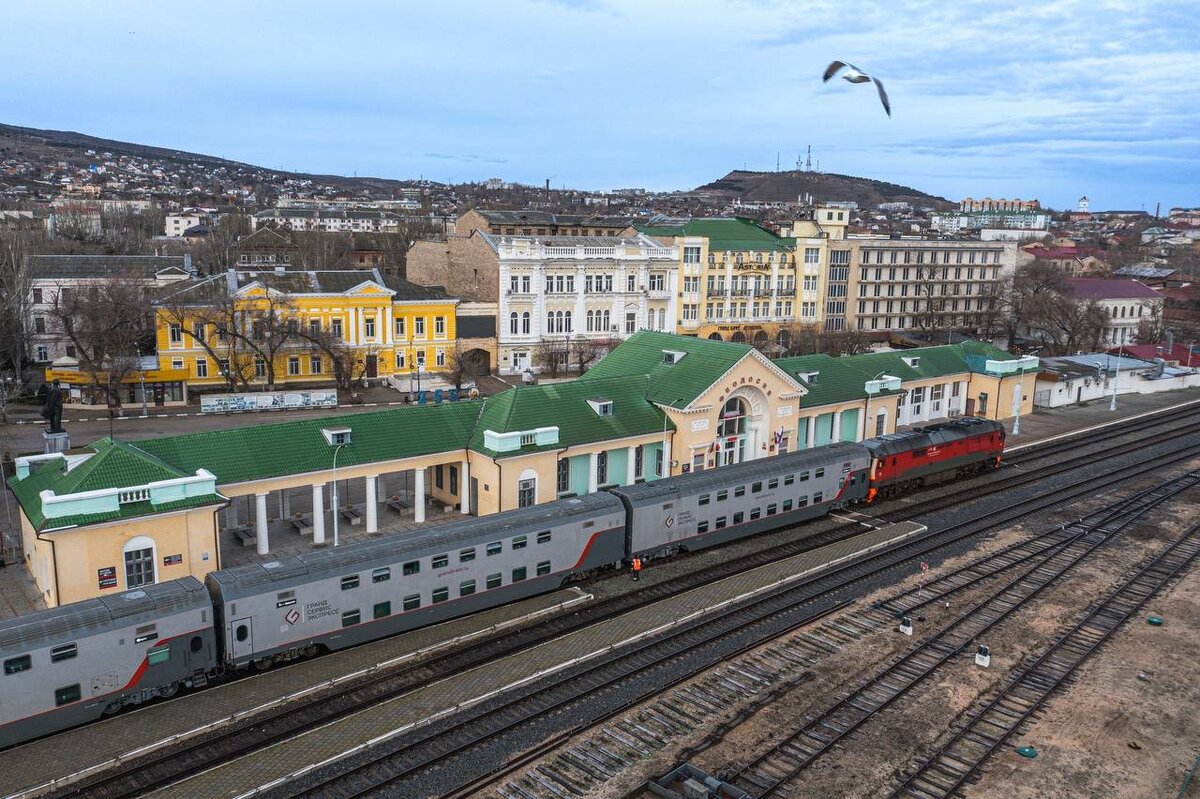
(721, 521)
(818, 473)
(495, 548)
(196, 644)
(350, 582)
(159, 654)
(440, 561)
(18, 665)
(787, 505)
(722, 496)
(351, 618)
(466, 555)
(773, 482)
(242, 632)
(817, 497)
(382, 609)
(802, 502)
(703, 499)
(466, 588)
(702, 527)
(803, 476)
(771, 509)
(493, 581)
(755, 513)
(67, 695)
(440, 594)
(412, 601)
(756, 487)
(740, 491)
(518, 574)
(385, 574)
(544, 537)
(788, 479)
(412, 567)
(519, 542)
(739, 517)
(64, 652)
(586, 525)
(543, 568)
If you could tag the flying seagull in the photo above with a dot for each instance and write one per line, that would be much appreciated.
(854, 75)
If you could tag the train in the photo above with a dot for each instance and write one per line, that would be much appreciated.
(73, 664)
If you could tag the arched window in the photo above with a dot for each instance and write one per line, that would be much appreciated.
(512, 323)
(568, 322)
(662, 318)
(139, 561)
(549, 321)
(733, 418)
(715, 337)
(525, 323)
(607, 322)
(589, 318)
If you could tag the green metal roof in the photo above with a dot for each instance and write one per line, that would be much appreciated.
(274, 450)
(115, 464)
(731, 234)
(676, 385)
(566, 406)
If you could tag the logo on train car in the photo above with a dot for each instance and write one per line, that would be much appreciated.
(933, 451)
(292, 616)
(669, 521)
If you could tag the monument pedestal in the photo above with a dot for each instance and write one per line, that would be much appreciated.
(55, 442)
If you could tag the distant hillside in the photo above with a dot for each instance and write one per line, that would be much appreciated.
(824, 187)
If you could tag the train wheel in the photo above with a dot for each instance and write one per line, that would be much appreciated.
(262, 664)
(168, 691)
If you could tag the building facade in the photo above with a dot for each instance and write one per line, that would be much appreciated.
(328, 221)
(1127, 303)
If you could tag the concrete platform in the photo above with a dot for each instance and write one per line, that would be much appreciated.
(279, 763)
(35, 767)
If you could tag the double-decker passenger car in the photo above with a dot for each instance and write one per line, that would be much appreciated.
(69, 665)
(929, 455)
(706, 508)
(296, 605)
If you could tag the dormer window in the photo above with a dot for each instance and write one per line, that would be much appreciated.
(811, 378)
(336, 437)
(913, 361)
(672, 357)
(602, 407)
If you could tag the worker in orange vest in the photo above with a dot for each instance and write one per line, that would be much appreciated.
(637, 568)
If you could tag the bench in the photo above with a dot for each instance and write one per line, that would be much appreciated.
(303, 523)
(352, 515)
(398, 504)
(245, 534)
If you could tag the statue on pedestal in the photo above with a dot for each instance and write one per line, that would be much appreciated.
(53, 407)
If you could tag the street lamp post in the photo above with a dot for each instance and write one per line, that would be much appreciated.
(1112, 405)
(336, 508)
(142, 381)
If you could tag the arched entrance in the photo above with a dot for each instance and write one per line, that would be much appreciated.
(760, 340)
(739, 432)
(784, 339)
(715, 337)
(739, 337)
(476, 363)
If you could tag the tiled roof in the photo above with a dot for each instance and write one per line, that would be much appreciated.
(115, 464)
(274, 450)
(732, 234)
(1093, 288)
(565, 405)
(62, 267)
(670, 384)
(502, 217)
(837, 380)
(407, 290)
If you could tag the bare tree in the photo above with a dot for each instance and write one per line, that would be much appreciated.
(14, 302)
(347, 364)
(584, 352)
(462, 367)
(552, 355)
(213, 253)
(1026, 296)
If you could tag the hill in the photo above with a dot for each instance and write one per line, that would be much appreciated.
(824, 187)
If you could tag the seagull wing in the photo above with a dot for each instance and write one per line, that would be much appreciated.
(832, 69)
(883, 97)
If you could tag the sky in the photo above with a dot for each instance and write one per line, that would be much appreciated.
(1051, 100)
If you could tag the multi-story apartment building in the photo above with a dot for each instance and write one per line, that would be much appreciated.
(328, 221)
(176, 224)
(555, 290)
(311, 327)
(541, 223)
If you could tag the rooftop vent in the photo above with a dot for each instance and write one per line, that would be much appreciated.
(671, 357)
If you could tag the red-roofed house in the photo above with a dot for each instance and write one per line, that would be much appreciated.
(1128, 302)
(1074, 260)
(1178, 355)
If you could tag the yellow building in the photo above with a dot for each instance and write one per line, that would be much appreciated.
(240, 329)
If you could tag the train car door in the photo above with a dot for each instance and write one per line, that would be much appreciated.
(242, 644)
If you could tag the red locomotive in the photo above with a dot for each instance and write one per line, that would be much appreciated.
(928, 455)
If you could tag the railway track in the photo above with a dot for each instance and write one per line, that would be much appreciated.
(769, 773)
(958, 760)
(171, 765)
(388, 768)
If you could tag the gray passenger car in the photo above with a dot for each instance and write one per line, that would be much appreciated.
(698, 510)
(69, 665)
(336, 598)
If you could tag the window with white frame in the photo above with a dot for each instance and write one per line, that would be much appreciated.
(439, 357)
(293, 365)
(398, 326)
(419, 327)
(139, 561)
(812, 255)
(314, 364)
(175, 334)
(439, 326)
(369, 327)
(202, 367)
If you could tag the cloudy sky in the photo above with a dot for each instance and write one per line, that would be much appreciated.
(1050, 99)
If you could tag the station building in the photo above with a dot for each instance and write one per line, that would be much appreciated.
(659, 404)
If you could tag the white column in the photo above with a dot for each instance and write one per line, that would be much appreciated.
(812, 432)
(631, 462)
(318, 513)
(593, 484)
(372, 506)
(464, 486)
(419, 495)
(260, 524)
(837, 427)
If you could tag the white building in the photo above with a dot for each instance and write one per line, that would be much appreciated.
(176, 224)
(1128, 303)
(559, 289)
(329, 221)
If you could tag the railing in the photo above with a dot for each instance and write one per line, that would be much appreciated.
(581, 251)
(133, 495)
